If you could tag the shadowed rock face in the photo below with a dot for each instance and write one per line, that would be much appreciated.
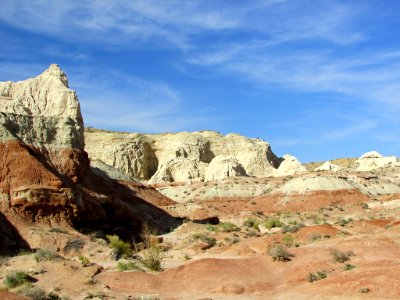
(44, 170)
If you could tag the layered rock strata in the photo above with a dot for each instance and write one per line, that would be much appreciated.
(44, 170)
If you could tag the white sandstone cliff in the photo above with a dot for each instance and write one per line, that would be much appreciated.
(373, 160)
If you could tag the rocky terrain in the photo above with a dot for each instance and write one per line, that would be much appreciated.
(95, 214)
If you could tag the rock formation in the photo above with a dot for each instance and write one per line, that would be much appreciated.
(178, 156)
(289, 166)
(222, 167)
(44, 171)
(328, 166)
(373, 160)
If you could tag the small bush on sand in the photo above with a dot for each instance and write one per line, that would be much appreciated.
(128, 266)
(272, 223)
(311, 277)
(204, 237)
(341, 256)
(279, 253)
(33, 293)
(152, 256)
(120, 248)
(252, 223)
(15, 279)
(44, 254)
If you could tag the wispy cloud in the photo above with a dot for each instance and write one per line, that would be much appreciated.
(121, 101)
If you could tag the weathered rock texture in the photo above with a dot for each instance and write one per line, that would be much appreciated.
(44, 171)
(289, 166)
(373, 160)
(180, 157)
(328, 166)
(222, 167)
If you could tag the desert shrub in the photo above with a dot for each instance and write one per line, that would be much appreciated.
(84, 260)
(272, 223)
(232, 239)
(344, 222)
(33, 293)
(348, 267)
(122, 267)
(311, 277)
(341, 256)
(204, 237)
(213, 228)
(251, 222)
(15, 279)
(74, 244)
(152, 256)
(288, 241)
(44, 254)
(292, 228)
(364, 290)
(279, 253)
(119, 247)
(228, 227)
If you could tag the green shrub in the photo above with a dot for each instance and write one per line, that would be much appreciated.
(15, 279)
(252, 223)
(292, 228)
(272, 223)
(204, 238)
(84, 260)
(120, 248)
(288, 241)
(348, 267)
(122, 267)
(44, 254)
(74, 244)
(311, 277)
(279, 253)
(228, 227)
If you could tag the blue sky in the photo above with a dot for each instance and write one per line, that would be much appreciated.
(316, 79)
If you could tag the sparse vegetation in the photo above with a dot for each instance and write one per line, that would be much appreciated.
(279, 253)
(252, 222)
(223, 227)
(292, 228)
(120, 248)
(74, 244)
(34, 293)
(311, 277)
(204, 237)
(84, 260)
(348, 267)
(128, 266)
(152, 256)
(288, 241)
(272, 223)
(15, 279)
(341, 256)
(44, 254)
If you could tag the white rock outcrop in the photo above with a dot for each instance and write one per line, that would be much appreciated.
(328, 166)
(41, 111)
(222, 167)
(290, 165)
(179, 156)
(373, 160)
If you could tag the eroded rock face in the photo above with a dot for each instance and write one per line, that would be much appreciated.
(44, 113)
(178, 156)
(222, 167)
(44, 171)
(373, 160)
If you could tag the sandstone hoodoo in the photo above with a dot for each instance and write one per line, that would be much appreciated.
(373, 160)
(44, 170)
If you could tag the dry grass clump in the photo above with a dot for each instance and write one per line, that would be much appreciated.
(279, 253)
(341, 256)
